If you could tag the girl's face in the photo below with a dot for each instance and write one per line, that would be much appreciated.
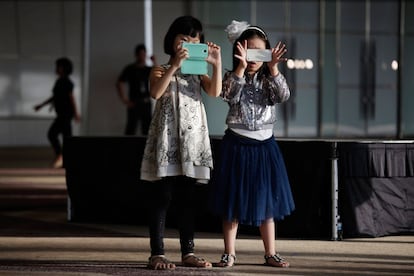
(255, 43)
(185, 38)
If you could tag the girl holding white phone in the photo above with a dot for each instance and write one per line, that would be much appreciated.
(250, 185)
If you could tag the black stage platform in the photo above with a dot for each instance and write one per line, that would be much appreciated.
(366, 185)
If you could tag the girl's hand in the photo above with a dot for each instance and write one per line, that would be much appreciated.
(277, 53)
(157, 72)
(214, 54)
(37, 107)
(242, 54)
(213, 86)
(180, 55)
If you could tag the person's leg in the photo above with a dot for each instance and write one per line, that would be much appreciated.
(229, 235)
(185, 195)
(161, 197)
(66, 127)
(66, 132)
(267, 231)
(53, 136)
(160, 201)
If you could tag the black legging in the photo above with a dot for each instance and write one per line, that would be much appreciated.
(180, 189)
(59, 126)
(140, 112)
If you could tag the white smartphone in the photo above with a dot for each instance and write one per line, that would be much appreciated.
(259, 55)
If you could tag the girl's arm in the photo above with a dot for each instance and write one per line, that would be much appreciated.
(234, 82)
(213, 86)
(39, 106)
(277, 86)
(242, 52)
(277, 53)
(232, 87)
(161, 78)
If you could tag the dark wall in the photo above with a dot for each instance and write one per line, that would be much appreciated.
(104, 185)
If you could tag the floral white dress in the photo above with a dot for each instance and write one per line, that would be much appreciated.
(178, 141)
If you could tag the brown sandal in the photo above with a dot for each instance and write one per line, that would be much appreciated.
(160, 262)
(276, 261)
(193, 261)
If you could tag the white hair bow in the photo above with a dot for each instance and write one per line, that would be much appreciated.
(235, 29)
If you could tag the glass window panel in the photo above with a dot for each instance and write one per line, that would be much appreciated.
(27, 70)
(8, 45)
(271, 15)
(330, 16)
(275, 37)
(305, 121)
(307, 51)
(407, 86)
(279, 126)
(36, 79)
(304, 15)
(73, 26)
(384, 16)
(9, 86)
(219, 36)
(40, 28)
(223, 12)
(386, 58)
(409, 18)
(350, 59)
(350, 122)
(383, 124)
(352, 16)
(363, 111)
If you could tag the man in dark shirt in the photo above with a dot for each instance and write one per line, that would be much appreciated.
(138, 102)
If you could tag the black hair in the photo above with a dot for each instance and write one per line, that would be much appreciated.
(185, 25)
(139, 48)
(251, 32)
(65, 64)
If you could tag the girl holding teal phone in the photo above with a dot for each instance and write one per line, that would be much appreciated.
(177, 152)
(196, 63)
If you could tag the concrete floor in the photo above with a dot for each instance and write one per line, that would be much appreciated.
(123, 250)
(37, 239)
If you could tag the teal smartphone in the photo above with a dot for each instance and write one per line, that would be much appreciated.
(196, 63)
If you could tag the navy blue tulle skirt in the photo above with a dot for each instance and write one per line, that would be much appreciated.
(250, 182)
